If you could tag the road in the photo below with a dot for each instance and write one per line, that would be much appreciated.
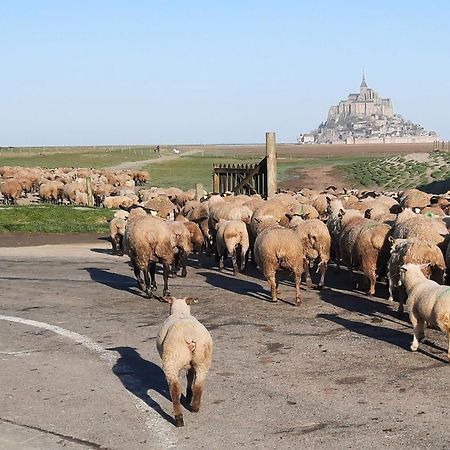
(80, 368)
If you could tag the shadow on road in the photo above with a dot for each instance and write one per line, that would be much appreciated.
(380, 333)
(114, 280)
(140, 376)
(236, 285)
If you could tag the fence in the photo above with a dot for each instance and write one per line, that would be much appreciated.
(441, 145)
(249, 179)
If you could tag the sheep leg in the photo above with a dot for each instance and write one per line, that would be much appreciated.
(152, 270)
(418, 331)
(183, 265)
(448, 351)
(273, 286)
(166, 270)
(244, 255)
(197, 391)
(190, 380)
(372, 281)
(120, 245)
(175, 393)
(307, 273)
(234, 259)
(114, 246)
(137, 274)
(391, 289)
(147, 283)
(298, 281)
(322, 270)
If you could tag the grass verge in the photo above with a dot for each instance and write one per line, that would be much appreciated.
(54, 219)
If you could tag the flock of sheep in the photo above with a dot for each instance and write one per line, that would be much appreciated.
(110, 188)
(402, 237)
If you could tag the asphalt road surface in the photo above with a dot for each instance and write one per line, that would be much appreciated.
(79, 366)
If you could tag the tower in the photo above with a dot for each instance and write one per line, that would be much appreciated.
(363, 86)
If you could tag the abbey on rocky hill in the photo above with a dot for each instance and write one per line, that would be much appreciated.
(364, 118)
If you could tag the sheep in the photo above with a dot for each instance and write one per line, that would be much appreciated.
(81, 198)
(197, 239)
(413, 198)
(11, 191)
(415, 251)
(162, 205)
(429, 229)
(276, 249)
(182, 239)
(428, 303)
(184, 344)
(117, 228)
(364, 245)
(148, 241)
(316, 241)
(114, 202)
(232, 236)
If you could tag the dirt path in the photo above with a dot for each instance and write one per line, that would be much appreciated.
(317, 178)
(136, 165)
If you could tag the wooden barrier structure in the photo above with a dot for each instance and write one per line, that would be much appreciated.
(249, 179)
(441, 145)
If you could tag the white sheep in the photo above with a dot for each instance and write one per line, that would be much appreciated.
(232, 236)
(184, 344)
(428, 302)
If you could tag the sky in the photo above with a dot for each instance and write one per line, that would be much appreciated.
(93, 72)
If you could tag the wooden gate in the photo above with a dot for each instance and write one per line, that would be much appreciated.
(249, 178)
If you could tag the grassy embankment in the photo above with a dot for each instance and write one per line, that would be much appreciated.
(399, 172)
(54, 219)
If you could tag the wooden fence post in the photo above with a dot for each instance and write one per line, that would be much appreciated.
(198, 191)
(215, 182)
(90, 196)
(271, 153)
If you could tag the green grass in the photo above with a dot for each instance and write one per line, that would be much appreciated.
(73, 157)
(54, 219)
(185, 171)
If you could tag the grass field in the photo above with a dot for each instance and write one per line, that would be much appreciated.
(54, 219)
(95, 157)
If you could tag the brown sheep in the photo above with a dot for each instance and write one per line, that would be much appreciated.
(276, 249)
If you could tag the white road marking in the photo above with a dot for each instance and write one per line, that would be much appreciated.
(153, 422)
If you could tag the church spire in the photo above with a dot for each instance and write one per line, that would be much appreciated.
(363, 81)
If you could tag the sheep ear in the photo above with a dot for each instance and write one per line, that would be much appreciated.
(169, 300)
(190, 300)
(391, 239)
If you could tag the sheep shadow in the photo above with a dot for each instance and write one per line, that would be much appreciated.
(361, 304)
(139, 376)
(102, 251)
(238, 285)
(390, 335)
(114, 280)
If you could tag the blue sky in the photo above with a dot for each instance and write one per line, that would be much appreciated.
(154, 72)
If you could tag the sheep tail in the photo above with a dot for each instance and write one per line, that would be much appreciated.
(191, 345)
